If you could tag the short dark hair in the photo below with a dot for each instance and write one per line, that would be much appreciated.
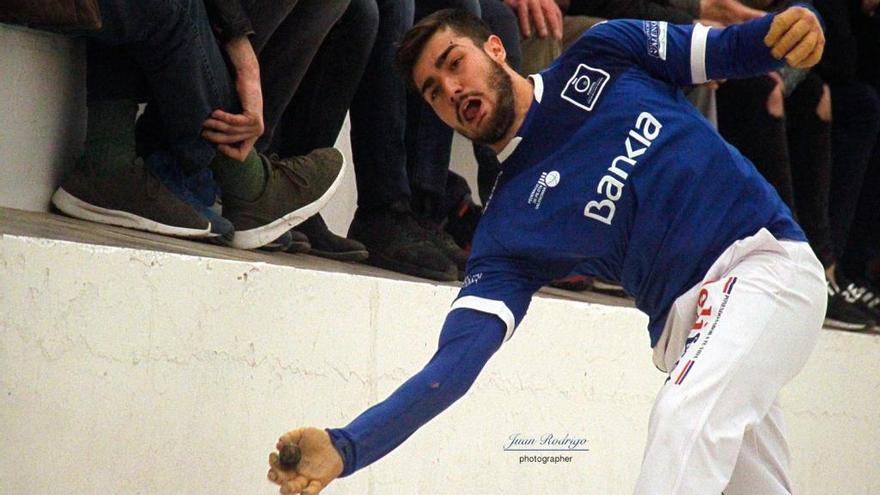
(413, 43)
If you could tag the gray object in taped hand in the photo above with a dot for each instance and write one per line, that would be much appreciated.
(289, 456)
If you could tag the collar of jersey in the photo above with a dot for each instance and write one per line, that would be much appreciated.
(508, 150)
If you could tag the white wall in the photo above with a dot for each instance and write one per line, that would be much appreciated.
(42, 113)
(125, 371)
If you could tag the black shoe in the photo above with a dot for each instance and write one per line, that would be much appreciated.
(867, 297)
(396, 242)
(843, 313)
(326, 244)
(446, 244)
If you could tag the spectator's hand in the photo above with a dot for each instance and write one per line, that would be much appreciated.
(727, 12)
(544, 14)
(870, 6)
(796, 35)
(320, 463)
(823, 109)
(776, 98)
(236, 134)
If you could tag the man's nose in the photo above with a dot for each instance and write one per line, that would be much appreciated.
(452, 88)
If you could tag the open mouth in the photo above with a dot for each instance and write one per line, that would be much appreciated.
(469, 110)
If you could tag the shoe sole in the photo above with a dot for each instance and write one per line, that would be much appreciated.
(450, 275)
(260, 236)
(77, 208)
(842, 325)
(340, 256)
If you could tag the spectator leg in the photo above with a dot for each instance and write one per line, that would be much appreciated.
(378, 115)
(856, 116)
(288, 35)
(809, 139)
(744, 122)
(163, 34)
(315, 115)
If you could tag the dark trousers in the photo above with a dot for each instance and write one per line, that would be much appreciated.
(164, 52)
(744, 122)
(314, 117)
(287, 36)
(809, 144)
(353, 70)
(793, 153)
(856, 120)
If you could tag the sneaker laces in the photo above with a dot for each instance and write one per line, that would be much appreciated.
(286, 167)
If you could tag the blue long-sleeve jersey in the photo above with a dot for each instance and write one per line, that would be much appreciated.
(613, 173)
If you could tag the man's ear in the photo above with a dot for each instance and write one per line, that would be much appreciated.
(495, 49)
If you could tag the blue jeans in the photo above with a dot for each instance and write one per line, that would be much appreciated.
(163, 51)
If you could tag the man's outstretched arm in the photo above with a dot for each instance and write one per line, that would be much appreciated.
(468, 340)
(694, 54)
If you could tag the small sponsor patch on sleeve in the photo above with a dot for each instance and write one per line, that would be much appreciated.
(655, 36)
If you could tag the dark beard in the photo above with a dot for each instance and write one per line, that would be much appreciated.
(504, 115)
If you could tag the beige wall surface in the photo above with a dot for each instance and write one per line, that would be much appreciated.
(127, 371)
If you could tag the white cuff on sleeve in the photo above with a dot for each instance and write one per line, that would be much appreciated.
(490, 306)
(699, 37)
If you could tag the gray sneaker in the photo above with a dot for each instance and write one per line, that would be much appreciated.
(296, 188)
(133, 198)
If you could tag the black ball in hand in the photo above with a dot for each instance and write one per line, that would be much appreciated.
(289, 456)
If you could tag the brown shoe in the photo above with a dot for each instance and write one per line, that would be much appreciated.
(133, 198)
(296, 188)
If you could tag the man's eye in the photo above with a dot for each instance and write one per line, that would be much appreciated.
(433, 94)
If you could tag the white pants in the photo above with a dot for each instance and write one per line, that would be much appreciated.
(729, 345)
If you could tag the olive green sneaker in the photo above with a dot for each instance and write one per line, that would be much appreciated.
(296, 188)
(132, 198)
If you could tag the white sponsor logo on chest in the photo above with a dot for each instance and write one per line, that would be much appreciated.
(611, 185)
(547, 179)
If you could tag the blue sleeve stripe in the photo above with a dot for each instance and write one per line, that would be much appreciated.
(699, 37)
(491, 306)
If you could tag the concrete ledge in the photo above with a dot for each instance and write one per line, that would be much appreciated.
(126, 370)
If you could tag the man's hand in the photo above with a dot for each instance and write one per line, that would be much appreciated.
(236, 134)
(727, 12)
(320, 463)
(796, 35)
(544, 14)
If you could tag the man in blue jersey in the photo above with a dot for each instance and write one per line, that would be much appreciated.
(607, 170)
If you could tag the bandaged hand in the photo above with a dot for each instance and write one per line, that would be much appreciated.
(797, 36)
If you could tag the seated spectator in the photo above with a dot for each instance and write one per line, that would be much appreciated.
(851, 70)
(395, 237)
(186, 78)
